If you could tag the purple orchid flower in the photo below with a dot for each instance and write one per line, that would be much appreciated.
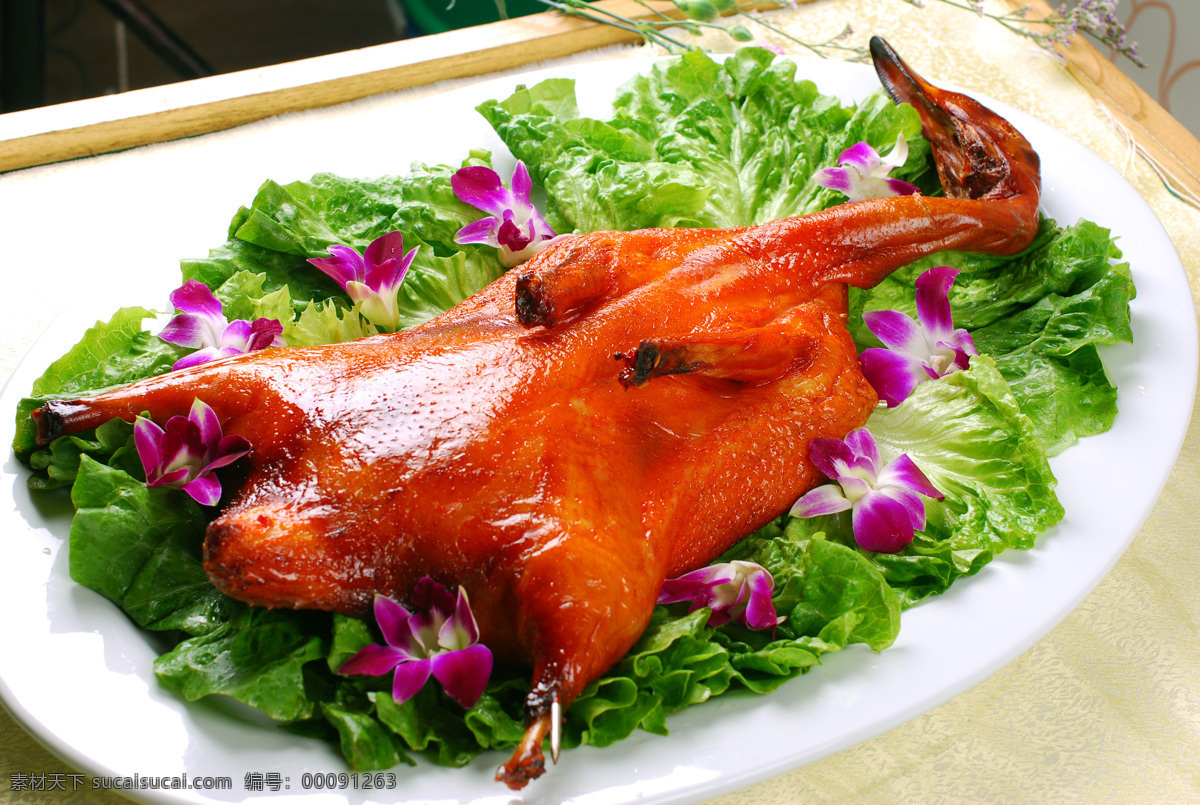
(917, 352)
(373, 277)
(440, 639)
(185, 453)
(201, 325)
(887, 509)
(863, 174)
(735, 591)
(515, 227)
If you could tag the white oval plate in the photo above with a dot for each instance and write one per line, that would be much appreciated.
(78, 674)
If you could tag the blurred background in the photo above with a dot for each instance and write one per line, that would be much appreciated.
(52, 51)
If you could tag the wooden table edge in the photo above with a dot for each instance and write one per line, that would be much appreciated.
(1170, 146)
(186, 109)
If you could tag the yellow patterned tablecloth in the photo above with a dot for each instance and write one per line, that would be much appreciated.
(1106, 708)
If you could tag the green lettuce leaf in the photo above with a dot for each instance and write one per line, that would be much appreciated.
(969, 436)
(264, 263)
(58, 464)
(1040, 315)
(256, 657)
(140, 548)
(112, 353)
(695, 143)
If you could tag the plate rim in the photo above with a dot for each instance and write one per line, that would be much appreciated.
(730, 781)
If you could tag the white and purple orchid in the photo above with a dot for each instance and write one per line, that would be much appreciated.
(885, 500)
(735, 591)
(201, 325)
(916, 350)
(373, 277)
(184, 454)
(440, 639)
(863, 174)
(514, 225)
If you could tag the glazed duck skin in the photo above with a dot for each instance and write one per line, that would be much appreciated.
(620, 410)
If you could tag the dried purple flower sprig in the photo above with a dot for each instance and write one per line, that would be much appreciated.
(698, 15)
(1095, 18)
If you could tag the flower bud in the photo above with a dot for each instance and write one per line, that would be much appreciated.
(702, 10)
(740, 33)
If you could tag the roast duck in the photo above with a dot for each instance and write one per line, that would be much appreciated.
(619, 410)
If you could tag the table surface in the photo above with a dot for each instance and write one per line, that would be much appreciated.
(1104, 708)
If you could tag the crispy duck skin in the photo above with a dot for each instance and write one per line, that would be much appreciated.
(621, 409)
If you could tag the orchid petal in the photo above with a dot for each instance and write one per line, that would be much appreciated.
(824, 499)
(460, 630)
(372, 279)
(184, 453)
(862, 174)
(511, 236)
(410, 677)
(379, 277)
(962, 360)
(343, 265)
(522, 184)
(393, 619)
(197, 299)
(237, 335)
(911, 502)
(854, 486)
(382, 249)
(193, 331)
(828, 455)
(542, 234)
(899, 187)
(197, 358)
(171, 479)
(265, 333)
(862, 443)
(481, 231)
(838, 179)
(881, 524)
(359, 291)
(482, 188)
(694, 587)
(147, 439)
(903, 471)
(962, 346)
(892, 374)
(180, 444)
(464, 673)
(228, 450)
(385, 278)
(205, 419)
(933, 302)
(429, 596)
(861, 156)
(897, 156)
(897, 331)
(372, 660)
(760, 609)
(205, 490)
